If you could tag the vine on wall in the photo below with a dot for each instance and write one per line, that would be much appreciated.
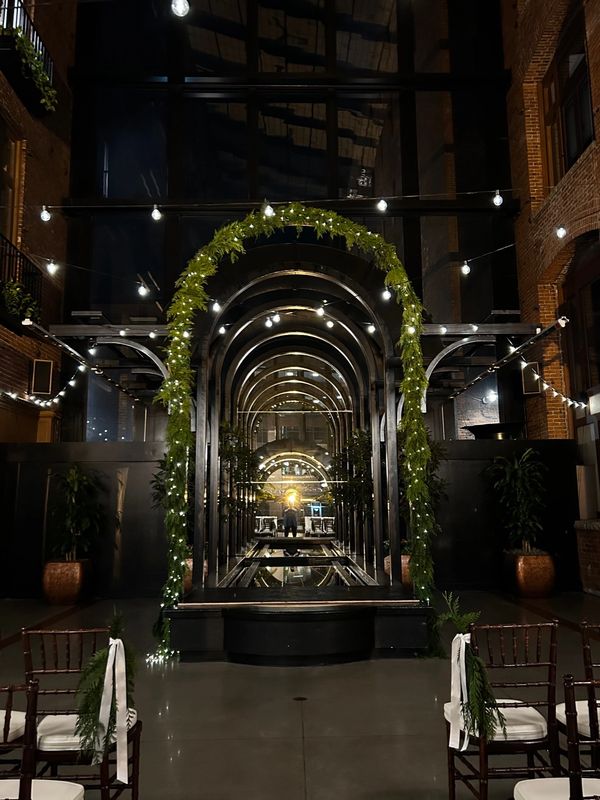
(176, 390)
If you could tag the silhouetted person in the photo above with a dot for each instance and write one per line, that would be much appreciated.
(290, 521)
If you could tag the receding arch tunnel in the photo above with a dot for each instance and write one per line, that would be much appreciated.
(295, 358)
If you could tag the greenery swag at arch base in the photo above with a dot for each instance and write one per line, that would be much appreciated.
(190, 297)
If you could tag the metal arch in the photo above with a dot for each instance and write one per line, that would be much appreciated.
(481, 339)
(124, 342)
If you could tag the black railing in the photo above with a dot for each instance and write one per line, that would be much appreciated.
(14, 16)
(15, 266)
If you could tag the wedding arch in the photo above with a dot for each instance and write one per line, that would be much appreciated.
(191, 297)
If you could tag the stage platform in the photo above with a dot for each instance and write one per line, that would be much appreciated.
(342, 615)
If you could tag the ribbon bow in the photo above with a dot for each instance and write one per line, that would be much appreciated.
(458, 691)
(115, 682)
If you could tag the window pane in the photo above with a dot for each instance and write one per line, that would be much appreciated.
(131, 145)
(292, 151)
(366, 39)
(364, 133)
(215, 151)
(216, 35)
(291, 38)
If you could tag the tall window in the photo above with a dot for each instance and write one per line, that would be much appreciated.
(10, 166)
(567, 100)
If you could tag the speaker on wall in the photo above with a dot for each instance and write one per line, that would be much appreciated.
(41, 379)
(531, 384)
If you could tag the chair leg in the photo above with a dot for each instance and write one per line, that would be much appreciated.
(483, 770)
(135, 767)
(104, 779)
(451, 767)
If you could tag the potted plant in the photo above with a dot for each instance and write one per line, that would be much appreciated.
(77, 519)
(519, 487)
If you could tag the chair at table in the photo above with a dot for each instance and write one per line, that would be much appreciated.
(56, 659)
(18, 734)
(516, 657)
(583, 781)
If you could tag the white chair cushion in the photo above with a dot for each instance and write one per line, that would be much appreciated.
(552, 789)
(43, 790)
(522, 724)
(57, 731)
(583, 716)
(16, 729)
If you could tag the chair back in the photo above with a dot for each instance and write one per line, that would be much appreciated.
(578, 745)
(26, 741)
(520, 657)
(56, 658)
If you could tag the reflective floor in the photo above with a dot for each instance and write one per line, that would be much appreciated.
(368, 730)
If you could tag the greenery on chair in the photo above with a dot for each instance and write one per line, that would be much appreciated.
(89, 694)
(481, 714)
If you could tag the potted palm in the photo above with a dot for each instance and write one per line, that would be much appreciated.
(519, 487)
(77, 517)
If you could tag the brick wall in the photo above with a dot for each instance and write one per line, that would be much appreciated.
(44, 180)
(531, 32)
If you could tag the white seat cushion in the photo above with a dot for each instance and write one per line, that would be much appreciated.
(43, 790)
(16, 728)
(522, 724)
(552, 789)
(583, 716)
(57, 731)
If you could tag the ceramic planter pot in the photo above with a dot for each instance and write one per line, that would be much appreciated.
(63, 581)
(405, 559)
(534, 574)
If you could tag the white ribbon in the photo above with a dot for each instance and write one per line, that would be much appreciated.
(458, 691)
(115, 682)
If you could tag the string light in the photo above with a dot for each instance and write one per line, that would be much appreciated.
(548, 387)
(143, 290)
(45, 215)
(92, 350)
(267, 210)
(497, 199)
(152, 334)
(222, 330)
(52, 267)
(329, 323)
(276, 318)
(382, 205)
(386, 294)
(443, 329)
(320, 311)
(216, 307)
(269, 322)
(371, 328)
(465, 269)
(561, 232)
(156, 213)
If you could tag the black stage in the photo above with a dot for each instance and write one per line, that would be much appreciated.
(341, 615)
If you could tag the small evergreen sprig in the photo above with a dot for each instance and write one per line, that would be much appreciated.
(89, 695)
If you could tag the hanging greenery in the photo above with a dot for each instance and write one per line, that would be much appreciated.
(33, 67)
(176, 390)
(19, 302)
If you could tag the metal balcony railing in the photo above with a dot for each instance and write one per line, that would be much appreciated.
(15, 266)
(13, 16)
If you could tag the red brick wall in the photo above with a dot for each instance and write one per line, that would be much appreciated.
(45, 180)
(530, 33)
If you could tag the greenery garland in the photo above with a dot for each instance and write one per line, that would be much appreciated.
(175, 392)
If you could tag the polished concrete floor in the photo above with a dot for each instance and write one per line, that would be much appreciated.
(367, 730)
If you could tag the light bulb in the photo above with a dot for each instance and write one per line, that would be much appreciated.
(82, 368)
(329, 323)
(320, 311)
(382, 205)
(474, 328)
(180, 8)
(216, 307)
(156, 214)
(411, 329)
(143, 290)
(72, 382)
(268, 210)
(269, 322)
(122, 332)
(222, 330)
(92, 350)
(561, 232)
(52, 267)
(371, 328)
(152, 334)
(386, 294)
(45, 215)
(497, 199)
(492, 396)
(465, 269)
(276, 318)
(443, 329)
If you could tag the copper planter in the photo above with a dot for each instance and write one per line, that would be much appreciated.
(187, 575)
(63, 581)
(534, 574)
